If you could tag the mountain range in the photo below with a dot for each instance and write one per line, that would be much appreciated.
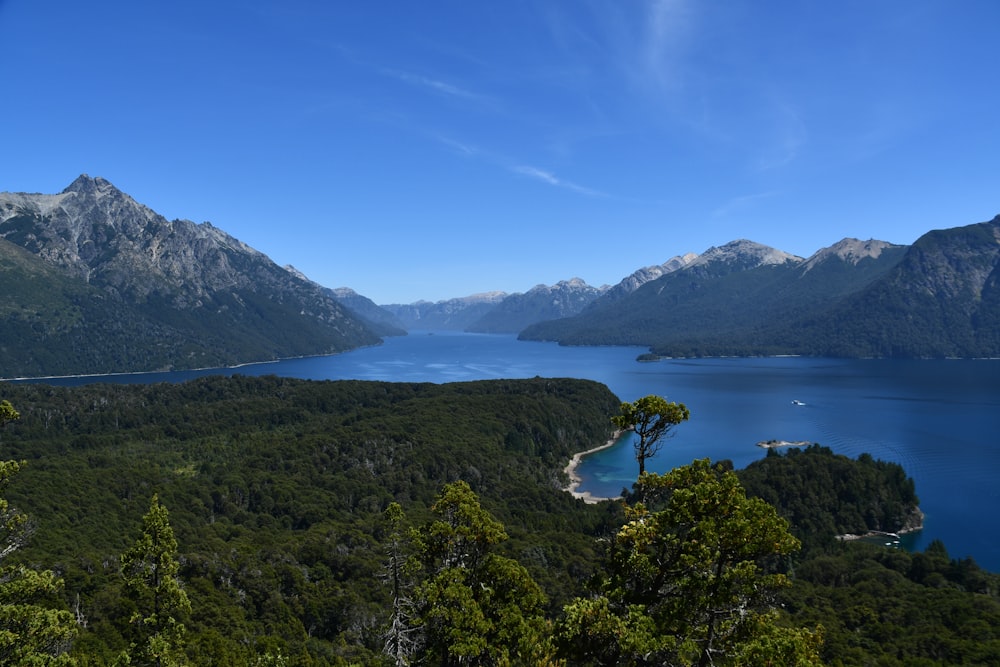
(94, 282)
(936, 298)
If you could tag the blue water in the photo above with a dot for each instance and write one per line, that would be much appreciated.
(940, 419)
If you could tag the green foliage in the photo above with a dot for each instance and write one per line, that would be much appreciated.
(876, 605)
(474, 605)
(881, 606)
(684, 582)
(150, 570)
(650, 418)
(277, 487)
(769, 644)
(7, 413)
(287, 502)
(33, 630)
(824, 494)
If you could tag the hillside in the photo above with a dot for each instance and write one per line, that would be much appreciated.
(378, 319)
(729, 288)
(276, 490)
(941, 300)
(125, 289)
(741, 298)
(937, 298)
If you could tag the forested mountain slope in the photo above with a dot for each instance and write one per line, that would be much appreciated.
(149, 293)
(721, 302)
(941, 300)
(937, 298)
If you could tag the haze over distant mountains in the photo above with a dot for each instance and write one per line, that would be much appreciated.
(94, 282)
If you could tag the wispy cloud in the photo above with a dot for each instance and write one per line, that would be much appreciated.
(666, 31)
(790, 136)
(434, 85)
(741, 203)
(460, 147)
(549, 178)
(467, 150)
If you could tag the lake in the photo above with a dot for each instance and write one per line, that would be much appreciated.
(940, 419)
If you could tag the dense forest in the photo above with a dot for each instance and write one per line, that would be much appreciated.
(335, 523)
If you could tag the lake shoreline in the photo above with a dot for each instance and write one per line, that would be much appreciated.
(574, 477)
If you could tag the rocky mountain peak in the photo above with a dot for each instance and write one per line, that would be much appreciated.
(165, 292)
(84, 184)
(746, 254)
(102, 235)
(850, 250)
(573, 284)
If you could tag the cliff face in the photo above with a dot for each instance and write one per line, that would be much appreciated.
(186, 294)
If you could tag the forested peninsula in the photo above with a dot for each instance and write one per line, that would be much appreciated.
(337, 523)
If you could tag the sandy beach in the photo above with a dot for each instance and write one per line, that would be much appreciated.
(574, 478)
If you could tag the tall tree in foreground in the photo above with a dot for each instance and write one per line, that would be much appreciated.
(475, 606)
(150, 572)
(651, 418)
(690, 580)
(400, 636)
(31, 631)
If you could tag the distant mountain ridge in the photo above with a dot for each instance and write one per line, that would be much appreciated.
(644, 275)
(540, 303)
(939, 297)
(128, 290)
(95, 282)
(378, 319)
(447, 315)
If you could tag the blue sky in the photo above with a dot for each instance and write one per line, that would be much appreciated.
(428, 150)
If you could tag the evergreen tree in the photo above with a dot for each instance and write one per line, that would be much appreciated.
(475, 606)
(686, 583)
(150, 571)
(650, 418)
(31, 631)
